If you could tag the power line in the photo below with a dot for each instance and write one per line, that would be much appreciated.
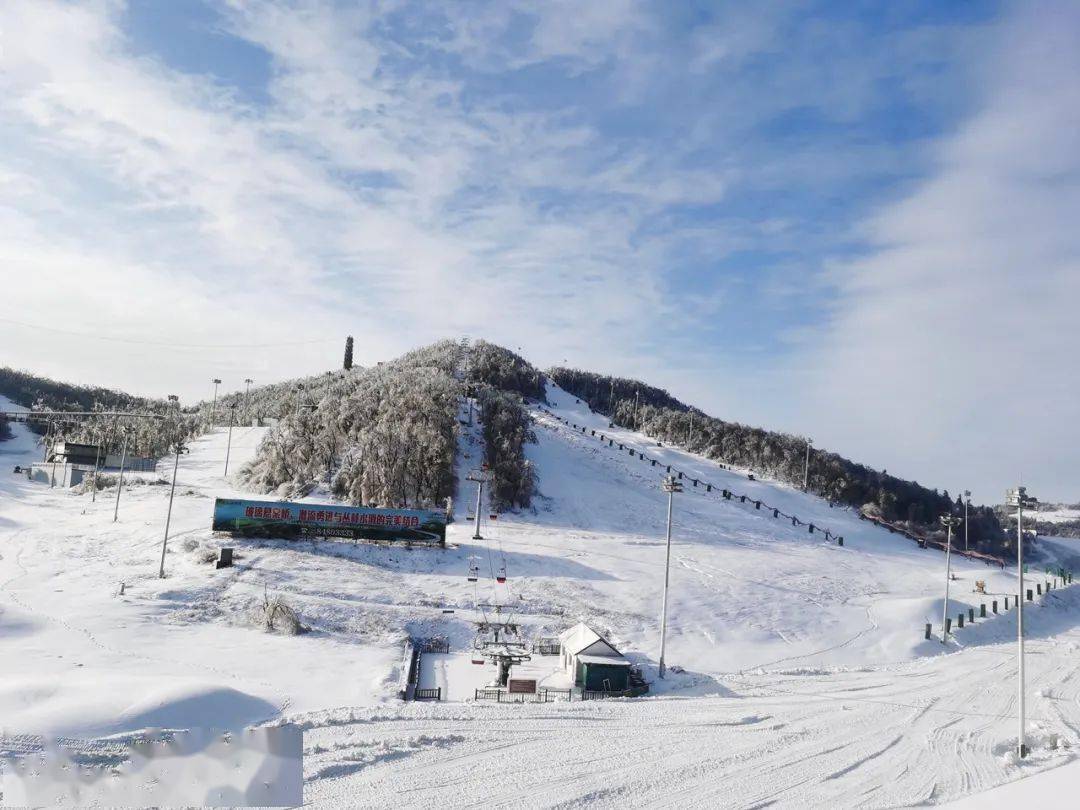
(166, 343)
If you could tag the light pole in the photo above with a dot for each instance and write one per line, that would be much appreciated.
(213, 408)
(247, 401)
(97, 459)
(120, 479)
(967, 503)
(806, 466)
(948, 521)
(479, 476)
(172, 490)
(1019, 498)
(228, 446)
(670, 485)
(51, 450)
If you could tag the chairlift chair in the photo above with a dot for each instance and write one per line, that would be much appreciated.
(474, 570)
(501, 576)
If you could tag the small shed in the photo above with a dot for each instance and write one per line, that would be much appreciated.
(591, 662)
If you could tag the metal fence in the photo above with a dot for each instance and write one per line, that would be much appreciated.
(539, 696)
(708, 487)
(433, 645)
(593, 694)
(428, 694)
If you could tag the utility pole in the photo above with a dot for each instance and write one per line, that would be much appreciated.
(120, 479)
(948, 521)
(172, 490)
(806, 466)
(479, 476)
(247, 400)
(97, 459)
(228, 446)
(52, 450)
(1019, 498)
(213, 408)
(670, 485)
(967, 503)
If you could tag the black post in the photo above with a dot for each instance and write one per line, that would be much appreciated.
(928, 631)
(995, 606)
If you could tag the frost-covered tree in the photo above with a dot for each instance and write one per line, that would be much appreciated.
(507, 429)
(385, 436)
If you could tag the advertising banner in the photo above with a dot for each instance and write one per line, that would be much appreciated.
(285, 519)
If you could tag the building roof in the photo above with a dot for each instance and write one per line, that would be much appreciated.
(604, 659)
(580, 637)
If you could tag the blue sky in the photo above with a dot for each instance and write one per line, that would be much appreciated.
(814, 217)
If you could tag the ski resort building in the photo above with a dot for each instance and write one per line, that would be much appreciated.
(591, 662)
(72, 453)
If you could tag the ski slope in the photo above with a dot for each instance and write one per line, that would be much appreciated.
(806, 679)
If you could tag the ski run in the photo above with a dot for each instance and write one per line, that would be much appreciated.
(800, 675)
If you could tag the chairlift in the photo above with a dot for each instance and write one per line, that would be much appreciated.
(474, 569)
(479, 661)
(501, 576)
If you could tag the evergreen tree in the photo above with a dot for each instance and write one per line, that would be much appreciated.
(348, 353)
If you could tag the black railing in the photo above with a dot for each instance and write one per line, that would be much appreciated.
(434, 645)
(428, 694)
(725, 493)
(539, 696)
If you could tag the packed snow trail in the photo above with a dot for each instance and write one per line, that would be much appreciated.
(910, 734)
(807, 679)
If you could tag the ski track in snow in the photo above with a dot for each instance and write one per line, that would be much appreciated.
(807, 683)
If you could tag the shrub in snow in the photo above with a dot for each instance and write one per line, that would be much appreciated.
(279, 617)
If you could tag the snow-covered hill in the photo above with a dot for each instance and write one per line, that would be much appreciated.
(807, 678)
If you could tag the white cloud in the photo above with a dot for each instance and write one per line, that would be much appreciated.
(365, 196)
(379, 192)
(953, 342)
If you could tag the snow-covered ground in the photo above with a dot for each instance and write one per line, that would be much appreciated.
(807, 680)
(1058, 515)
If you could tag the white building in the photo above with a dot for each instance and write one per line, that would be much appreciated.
(590, 661)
